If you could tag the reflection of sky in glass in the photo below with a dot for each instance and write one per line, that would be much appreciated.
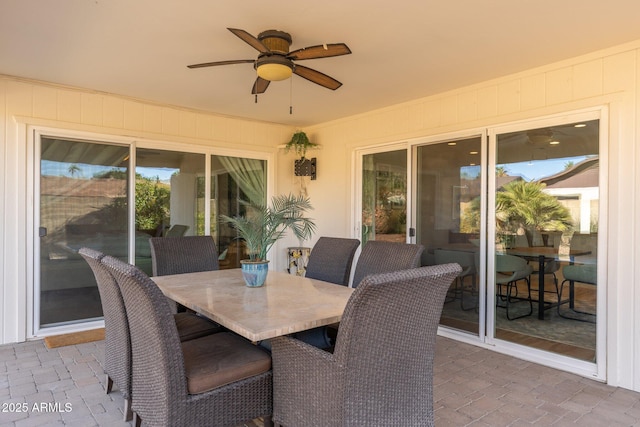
(81, 170)
(529, 170)
(84, 170)
(537, 169)
(164, 174)
(470, 172)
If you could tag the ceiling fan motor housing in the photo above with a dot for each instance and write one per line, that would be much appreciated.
(276, 41)
(274, 65)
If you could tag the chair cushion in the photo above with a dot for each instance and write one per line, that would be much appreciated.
(219, 359)
(191, 326)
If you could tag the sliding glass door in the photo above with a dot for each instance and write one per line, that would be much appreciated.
(83, 192)
(237, 184)
(169, 198)
(520, 208)
(82, 202)
(448, 178)
(384, 196)
(545, 198)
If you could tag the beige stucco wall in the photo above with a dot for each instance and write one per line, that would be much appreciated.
(606, 78)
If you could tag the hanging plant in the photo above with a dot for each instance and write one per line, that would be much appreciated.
(299, 143)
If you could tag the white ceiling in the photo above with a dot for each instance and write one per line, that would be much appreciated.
(402, 50)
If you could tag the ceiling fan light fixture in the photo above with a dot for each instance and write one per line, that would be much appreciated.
(274, 68)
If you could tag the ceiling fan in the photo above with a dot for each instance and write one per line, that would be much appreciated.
(275, 62)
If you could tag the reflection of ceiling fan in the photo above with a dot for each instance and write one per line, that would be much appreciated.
(540, 136)
(275, 62)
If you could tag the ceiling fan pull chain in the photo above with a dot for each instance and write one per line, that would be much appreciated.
(256, 101)
(290, 96)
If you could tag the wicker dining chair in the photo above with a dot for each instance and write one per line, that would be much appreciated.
(381, 257)
(216, 380)
(185, 254)
(117, 344)
(331, 260)
(117, 341)
(381, 370)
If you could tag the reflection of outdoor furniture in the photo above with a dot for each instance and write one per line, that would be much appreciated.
(466, 260)
(510, 269)
(582, 273)
(381, 371)
(550, 268)
(381, 257)
(215, 380)
(63, 268)
(543, 255)
(231, 256)
(176, 230)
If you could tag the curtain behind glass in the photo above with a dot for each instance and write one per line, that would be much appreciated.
(249, 174)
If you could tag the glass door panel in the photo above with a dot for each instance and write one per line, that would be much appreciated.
(384, 196)
(169, 199)
(546, 218)
(448, 190)
(236, 184)
(83, 202)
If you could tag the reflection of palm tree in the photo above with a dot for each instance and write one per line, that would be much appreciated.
(525, 204)
(73, 170)
(501, 171)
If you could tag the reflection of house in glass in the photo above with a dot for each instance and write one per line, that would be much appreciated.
(577, 189)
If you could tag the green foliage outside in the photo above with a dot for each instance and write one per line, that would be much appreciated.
(470, 219)
(152, 200)
(521, 205)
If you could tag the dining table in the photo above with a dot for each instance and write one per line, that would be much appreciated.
(542, 255)
(285, 304)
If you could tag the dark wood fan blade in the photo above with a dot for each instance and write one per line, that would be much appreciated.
(260, 86)
(249, 39)
(317, 77)
(320, 51)
(213, 64)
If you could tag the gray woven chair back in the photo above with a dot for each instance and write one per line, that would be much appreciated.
(381, 371)
(117, 343)
(386, 342)
(158, 380)
(331, 259)
(382, 257)
(186, 254)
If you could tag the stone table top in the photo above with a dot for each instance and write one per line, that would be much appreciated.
(284, 305)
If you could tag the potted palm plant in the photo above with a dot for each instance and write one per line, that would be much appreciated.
(263, 226)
